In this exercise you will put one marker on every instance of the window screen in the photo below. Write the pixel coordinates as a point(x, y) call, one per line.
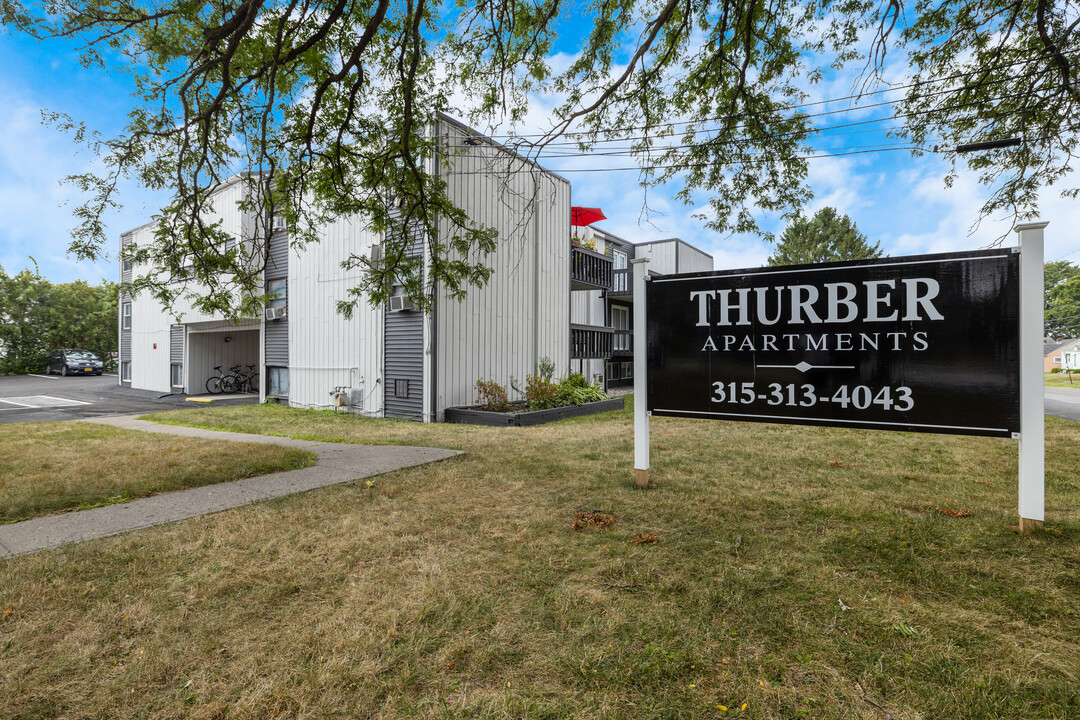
point(277, 381)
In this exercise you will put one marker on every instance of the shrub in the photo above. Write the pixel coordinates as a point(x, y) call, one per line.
point(545, 369)
point(492, 396)
point(575, 391)
point(1056, 370)
point(540, 393)
point(575, 380)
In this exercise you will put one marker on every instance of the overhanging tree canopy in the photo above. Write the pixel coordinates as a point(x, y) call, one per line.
point(326, 104)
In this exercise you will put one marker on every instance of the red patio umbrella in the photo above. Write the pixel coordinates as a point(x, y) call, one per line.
point(586, 216)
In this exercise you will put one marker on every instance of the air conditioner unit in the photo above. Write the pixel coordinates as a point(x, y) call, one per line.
point(401, 302)
point(375, 255)
point(275, 313)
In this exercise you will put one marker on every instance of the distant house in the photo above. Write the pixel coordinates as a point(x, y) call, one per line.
point(1059, 353)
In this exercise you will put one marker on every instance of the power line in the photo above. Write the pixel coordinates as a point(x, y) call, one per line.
point(680, 166)
point(1073, 252)
point(897, 116)
point(631, 153)
point(816, 103)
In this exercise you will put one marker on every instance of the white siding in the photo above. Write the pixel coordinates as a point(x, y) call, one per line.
point(674, 256)
point(661, 256)
point(150, 325)
point(224, 208)
point(151, 322)
point(325, 349)
point(587, 308)
point(522, 314)
point(693, 260)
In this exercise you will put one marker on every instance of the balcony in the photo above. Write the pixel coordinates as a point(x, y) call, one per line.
point(622, 283)
point(622, 343)
point(589, 270)
point(588, 342)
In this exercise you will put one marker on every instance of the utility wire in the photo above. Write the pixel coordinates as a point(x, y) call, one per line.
point(1066, 255)
point(677, 166)
point(897, 116)
point(816, 103)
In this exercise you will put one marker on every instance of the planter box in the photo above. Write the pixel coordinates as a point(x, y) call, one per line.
point(472, 416)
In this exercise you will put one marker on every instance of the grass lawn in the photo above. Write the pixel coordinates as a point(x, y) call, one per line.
point(797, 572)
point(52, 467)
point(1062, 380)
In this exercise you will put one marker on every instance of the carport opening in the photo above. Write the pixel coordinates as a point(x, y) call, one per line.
point(224, 348)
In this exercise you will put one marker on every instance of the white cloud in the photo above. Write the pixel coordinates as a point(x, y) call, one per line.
point(36, 208)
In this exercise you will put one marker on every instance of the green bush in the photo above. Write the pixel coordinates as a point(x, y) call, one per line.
point(576, 380)
point(545, 368)
point(541, 393)
point(572, 391)
point(1056, 370)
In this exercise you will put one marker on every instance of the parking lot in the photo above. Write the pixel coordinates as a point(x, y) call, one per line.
point(37, 398)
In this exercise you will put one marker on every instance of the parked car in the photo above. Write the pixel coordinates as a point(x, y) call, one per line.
point(73, 362)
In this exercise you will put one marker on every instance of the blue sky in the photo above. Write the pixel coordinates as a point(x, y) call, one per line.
point(894, 199)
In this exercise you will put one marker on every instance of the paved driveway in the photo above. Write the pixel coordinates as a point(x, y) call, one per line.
point(1063, 403)
point(37, 398)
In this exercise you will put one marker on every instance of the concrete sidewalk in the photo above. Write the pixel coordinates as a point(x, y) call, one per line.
point(335, 463)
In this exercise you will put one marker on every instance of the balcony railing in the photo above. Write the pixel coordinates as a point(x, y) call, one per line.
point(623, 343)
point(589, 270)
point(590, 342)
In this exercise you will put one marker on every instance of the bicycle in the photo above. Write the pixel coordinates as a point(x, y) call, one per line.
point(214, 382)
point(245, 382)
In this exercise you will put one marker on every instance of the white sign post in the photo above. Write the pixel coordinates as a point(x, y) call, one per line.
point(1031, 503)
point(641, 413)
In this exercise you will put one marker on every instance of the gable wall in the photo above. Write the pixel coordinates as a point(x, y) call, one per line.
point(522, 314)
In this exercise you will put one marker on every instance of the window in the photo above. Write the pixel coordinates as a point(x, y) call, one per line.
point(279, 290)
point(277, 379)
point(627, 370)
point(1057, 360)
point(621, 282)
point(401, 388)
point(125, 371)
point(127, 266)
point(127, 316)
point(620, 320)
point(613, 371)
point(177, 374)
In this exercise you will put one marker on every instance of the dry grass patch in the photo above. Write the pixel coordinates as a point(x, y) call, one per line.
point(459, 590)
point(53, 467)
point(1065, 380)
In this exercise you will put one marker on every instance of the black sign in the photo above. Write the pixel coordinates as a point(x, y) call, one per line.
point(926, 343)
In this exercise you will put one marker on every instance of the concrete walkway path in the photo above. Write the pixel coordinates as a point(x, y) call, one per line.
point(335, 463)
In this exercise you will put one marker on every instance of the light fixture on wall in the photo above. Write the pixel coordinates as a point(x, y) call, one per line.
point(228, 338)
